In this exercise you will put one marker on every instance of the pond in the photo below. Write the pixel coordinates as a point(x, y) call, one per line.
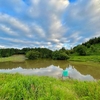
point(55, 66)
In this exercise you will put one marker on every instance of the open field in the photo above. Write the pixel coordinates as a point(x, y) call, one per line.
point(92, 58)
point(20, 87)
point(14, 58)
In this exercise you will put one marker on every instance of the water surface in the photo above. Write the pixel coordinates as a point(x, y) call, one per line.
point(85, 68)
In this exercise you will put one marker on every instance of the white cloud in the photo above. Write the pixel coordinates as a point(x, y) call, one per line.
point(8, 30)
point(48, 23)
point(39, 30)
point(1, 46)
point(83, 17)
point(14, 22)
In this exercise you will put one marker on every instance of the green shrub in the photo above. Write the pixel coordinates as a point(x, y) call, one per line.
point(32, 54)
point(58, 55)
point(81, 50)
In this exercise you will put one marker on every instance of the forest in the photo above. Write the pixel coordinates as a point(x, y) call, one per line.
point(91, 47)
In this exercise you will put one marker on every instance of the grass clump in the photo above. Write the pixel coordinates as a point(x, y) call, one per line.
point(88, 90)
point(20, 87)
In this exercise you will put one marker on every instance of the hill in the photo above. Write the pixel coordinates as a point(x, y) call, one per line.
point(91, 47)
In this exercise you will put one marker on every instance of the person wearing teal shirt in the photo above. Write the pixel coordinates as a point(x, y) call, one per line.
point(65, 74)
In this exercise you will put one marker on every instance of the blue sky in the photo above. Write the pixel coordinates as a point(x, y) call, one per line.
point(71, 1)
point(48, 23)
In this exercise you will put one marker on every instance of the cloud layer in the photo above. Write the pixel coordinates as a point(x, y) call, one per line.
point(52, 24)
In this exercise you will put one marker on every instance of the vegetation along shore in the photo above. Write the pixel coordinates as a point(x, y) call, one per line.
point(88, 51)
point(21, 87)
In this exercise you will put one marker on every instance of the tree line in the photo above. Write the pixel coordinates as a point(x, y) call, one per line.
point(91, 47)
point(35, 53)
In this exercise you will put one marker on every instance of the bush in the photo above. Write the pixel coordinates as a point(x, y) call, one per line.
point(58, 55)
point(81, 50)
point(32, 54)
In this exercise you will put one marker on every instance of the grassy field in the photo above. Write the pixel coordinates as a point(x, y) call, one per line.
point(92, 58)
point(14, 58)
point(20, 87)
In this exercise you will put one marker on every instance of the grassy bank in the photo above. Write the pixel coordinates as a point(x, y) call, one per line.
point(20, 87)
point(21, 58)
point(14, 58)
point(92, 58)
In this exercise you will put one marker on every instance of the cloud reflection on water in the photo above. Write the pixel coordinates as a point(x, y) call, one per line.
point(54, 71)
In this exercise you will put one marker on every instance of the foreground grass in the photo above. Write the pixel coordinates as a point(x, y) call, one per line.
point(93, 58)
point(20, 87)
point(14, 58)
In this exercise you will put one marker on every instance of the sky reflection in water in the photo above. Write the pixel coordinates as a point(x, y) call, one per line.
point(54, 71)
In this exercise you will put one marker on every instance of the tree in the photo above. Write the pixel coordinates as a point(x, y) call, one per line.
point(58, 55)
point(81, 50)
point(32, 55)
point(45, 53)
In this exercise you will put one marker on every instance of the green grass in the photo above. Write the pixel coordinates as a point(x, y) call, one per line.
point(93, 58)
point(20, 87)
point(14, 58)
